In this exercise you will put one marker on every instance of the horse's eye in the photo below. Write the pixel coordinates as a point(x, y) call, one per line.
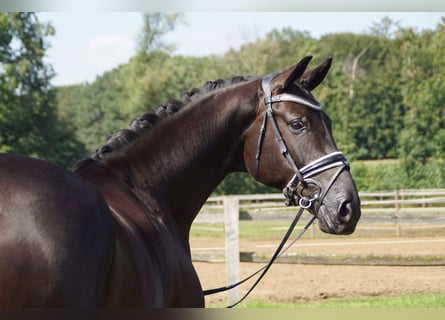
point(297, 126)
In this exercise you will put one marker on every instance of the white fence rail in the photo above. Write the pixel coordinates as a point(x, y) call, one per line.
point(423, 207)
point(401, 205)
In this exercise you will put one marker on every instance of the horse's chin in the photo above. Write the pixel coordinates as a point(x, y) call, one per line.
point(328, 223)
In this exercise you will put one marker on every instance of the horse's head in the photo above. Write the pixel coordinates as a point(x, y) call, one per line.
point(290, 146)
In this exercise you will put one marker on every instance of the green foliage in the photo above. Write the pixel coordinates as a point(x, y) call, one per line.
point(157, 77)
point(241, 183)
point(398, 174)
point(424, 93)
point(155, 26)
point(94, 110)
point(378, 175)
point(28, 121)
point(384, 94)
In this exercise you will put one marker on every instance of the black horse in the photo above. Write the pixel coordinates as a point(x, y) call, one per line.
point(115, 232)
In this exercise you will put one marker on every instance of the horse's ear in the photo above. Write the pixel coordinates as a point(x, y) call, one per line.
point(312, 78)
point(285, 78)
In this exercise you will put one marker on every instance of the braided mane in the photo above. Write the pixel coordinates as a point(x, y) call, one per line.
point(145, 122)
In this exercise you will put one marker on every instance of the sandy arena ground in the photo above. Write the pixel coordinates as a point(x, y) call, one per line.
point(298, 283)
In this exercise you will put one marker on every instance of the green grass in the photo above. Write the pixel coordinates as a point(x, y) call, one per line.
point(276, 230)
point(408, 301)
point(247, 229)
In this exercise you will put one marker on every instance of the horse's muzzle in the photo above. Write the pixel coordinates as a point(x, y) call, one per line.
point(340, 216)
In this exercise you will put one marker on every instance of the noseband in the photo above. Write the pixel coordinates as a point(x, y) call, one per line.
point(301, 176)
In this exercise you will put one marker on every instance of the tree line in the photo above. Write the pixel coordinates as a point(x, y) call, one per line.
point(385, 92)
point(29, 119)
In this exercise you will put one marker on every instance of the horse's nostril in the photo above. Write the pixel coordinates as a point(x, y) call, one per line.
point(345, 211)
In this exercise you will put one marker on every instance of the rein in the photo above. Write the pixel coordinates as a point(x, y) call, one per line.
point(301, 178)
point(278, 253)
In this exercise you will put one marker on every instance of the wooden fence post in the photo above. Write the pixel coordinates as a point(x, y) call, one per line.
point(231, 231)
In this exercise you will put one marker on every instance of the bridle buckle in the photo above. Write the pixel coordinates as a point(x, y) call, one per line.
point(305, 203)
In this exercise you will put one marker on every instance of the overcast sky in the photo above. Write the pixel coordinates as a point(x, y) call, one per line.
point(87, 44)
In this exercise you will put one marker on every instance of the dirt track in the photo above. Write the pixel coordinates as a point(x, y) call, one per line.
point(302, 283)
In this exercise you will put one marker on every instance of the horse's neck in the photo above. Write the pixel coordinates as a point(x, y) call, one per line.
point(186, 157)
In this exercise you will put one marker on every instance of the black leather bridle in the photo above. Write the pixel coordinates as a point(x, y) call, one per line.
point(301, 176)
point(293, 191)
